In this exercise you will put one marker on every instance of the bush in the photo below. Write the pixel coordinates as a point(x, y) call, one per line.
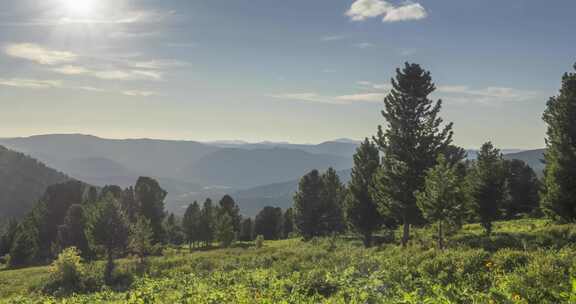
point(259, 241)
point(68, 275)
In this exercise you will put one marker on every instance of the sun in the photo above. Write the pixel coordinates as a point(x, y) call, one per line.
point(79, 8)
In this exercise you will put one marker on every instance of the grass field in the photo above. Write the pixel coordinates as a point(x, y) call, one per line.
point(524, 261)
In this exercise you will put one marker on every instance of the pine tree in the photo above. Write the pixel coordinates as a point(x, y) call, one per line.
point(361, 209)
point(191, 224)
point(141, 238)
point(225, 230)
point(246, 230)
point(410, 144)
point(268, 223)
point(522, 185)
point(72, 233)
point(559, 193)
point(25, 246)
point(333, 194)
point(307, 205)
point(288, 223)
point(7, 238)
point(110, 230)
point(442, 200)
point(150, 197)
point(229, 206)
point(487, 185)
point(207, 222)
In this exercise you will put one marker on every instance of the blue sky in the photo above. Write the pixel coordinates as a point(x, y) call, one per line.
point(299, 70)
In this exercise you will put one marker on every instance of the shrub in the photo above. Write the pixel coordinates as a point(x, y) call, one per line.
point(259, 241)
point(66, 274)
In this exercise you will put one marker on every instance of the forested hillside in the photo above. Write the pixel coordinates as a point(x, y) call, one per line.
point(23, 180)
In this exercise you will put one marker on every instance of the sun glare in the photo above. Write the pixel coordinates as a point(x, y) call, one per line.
point(79, 8)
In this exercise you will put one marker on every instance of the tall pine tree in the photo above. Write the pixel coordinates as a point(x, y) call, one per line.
point(191, 224)
point(413, 138)
point(361, 210)
point(559, 194)
point(150, 197)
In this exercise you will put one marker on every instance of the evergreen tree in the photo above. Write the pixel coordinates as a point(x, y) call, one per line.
point(229, 206)
point(333, 194)
point(25, 246)
point(150, 197)
point(246, 230)
point(442, 199)
point(191, 224)
point(225, 230)
point(72, 232)
point(173, 231)
point(207, 222)
point(268, 223)
point(8, 236)
point(307, 205)
point(361, 209)
point(522, 185)
point(111, 191)
point(487, 185)
point(288, 223)
point(559, 193)
point(110, 230)
point(410, 144)
point(141, 238)
point(129, 204)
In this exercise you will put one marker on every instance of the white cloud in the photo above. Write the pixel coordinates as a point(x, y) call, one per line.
point(364, 97)
point(138, 93)
point(39, 54)
point(374, 86)
point(363, 45)
point(364, 9)
point(119, 17)
point(109, 74)
point(466, 94)
point(333, 38)
point(30, 83)
point(339, 99)
point(158, 64)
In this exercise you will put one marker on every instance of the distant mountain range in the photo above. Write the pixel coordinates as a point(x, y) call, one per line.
point(256, 174)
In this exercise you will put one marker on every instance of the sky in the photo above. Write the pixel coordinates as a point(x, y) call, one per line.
point(264, 70)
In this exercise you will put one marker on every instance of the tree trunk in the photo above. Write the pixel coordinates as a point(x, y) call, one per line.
point(368, 239)
point(406, 233)
point(440, 236)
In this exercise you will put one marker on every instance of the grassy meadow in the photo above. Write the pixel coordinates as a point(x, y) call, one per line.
point(524, 261)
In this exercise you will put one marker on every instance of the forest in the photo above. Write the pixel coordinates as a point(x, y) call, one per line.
point(418, 222)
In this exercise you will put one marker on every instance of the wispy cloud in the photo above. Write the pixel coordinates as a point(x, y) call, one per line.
point(363, 45)
point(109, 74)
point(338, 99)
point(30, 83)
point(39, 54)
point(375, 86)
point(137, 93)
point(333, 37)
point(487, 95)
point(365, 9)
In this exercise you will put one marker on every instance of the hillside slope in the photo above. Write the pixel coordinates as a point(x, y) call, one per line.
point(23, 180)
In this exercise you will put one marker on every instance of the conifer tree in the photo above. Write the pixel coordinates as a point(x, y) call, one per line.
point(559, 193)
point(246, 230)
point(333, 194)
point(522, 186)
point(288, 223)
point(224, 230)
point(72, 233)
point(25, 246)
point(229, 206)
point(487, 185)
point(207, 222)
point(141, 238)
point(413, 138)
point(361, 209)
point(307, 205)
point(110, 230)
point(150, 197)
point(442, 200)
point(191, 224)
point(7, 238)
point(268, 223)
point(173, 231)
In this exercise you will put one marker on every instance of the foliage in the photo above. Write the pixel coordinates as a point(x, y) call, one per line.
point(487, 185)
point(288, 223)
point(361, 209)
point(560, 156)
point(246, 230)
point(268, 223)
point(207, 223)
point(66, 273)
point(410, 144)
point(72, 232)
point(522, 187)
point(150, 197)
point(191, 224)
point(442, 200)
point(229, 206)
point(141, 238)
point(259, 241)
point(173, 231)
point(225, 230)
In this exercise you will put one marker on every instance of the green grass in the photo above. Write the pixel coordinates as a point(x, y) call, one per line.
point(525, 261)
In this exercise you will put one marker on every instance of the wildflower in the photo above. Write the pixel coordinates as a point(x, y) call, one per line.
point(489, 264)
point(516, 297)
